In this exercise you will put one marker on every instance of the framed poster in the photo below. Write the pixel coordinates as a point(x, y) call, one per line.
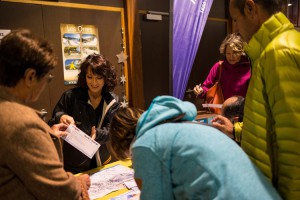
point(3, 32)
point(78, 41)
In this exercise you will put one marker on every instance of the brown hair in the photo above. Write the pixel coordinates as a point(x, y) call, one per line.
point(20, 50)
point(99, 66)
point(122, 131)
point(235, 42)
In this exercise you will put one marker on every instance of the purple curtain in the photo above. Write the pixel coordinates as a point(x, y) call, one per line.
point(189, 18)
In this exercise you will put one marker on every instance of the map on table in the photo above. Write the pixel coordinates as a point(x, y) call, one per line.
point(108, 180)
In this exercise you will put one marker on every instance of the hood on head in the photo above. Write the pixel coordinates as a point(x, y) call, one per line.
point(164, 108)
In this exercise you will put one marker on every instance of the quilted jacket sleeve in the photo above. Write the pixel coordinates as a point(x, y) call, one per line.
point(281, 78)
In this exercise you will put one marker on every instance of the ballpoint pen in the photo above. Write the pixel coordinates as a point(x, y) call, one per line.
point(191, 90)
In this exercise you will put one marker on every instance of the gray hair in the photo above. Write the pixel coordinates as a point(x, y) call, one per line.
point(235, 42)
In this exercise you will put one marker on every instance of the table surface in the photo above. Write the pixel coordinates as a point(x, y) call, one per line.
point(126, 163)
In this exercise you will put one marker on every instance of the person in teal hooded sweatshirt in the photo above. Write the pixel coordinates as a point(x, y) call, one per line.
point(176, 158)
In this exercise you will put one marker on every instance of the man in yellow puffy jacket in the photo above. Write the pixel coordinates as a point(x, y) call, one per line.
point(271, 129)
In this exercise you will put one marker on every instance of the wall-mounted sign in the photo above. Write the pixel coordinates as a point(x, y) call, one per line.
point(3, 32)
point(78, 41)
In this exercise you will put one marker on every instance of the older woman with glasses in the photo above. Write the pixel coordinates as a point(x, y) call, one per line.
point(30, 152)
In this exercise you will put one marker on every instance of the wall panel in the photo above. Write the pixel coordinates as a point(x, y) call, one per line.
point(14, 16)
point(45, 20)
point(109, 31)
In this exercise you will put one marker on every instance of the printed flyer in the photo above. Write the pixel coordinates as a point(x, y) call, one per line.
point(3, 32)
point(78, 41)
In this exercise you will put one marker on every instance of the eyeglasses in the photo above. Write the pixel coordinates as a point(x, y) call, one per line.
point(50, 77)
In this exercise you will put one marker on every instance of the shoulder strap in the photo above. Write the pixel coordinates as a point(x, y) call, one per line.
point(220, 70)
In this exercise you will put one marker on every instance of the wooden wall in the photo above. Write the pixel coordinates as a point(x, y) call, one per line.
point(155, 50)
point(45, 21)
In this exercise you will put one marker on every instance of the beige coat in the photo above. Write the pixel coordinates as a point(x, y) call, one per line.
point(30, 167)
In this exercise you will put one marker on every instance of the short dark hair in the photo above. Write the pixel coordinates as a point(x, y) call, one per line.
point(271, 6)
point(20, 50)
point(99, 66)
point(235, 109)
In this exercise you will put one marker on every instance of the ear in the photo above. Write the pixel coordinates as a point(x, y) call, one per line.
point(30, 77)
point(250, 8)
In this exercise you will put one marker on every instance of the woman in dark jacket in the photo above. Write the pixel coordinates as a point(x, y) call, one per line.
point(90, 106)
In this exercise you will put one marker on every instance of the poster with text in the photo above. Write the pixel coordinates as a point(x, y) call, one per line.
point(3, 32)
point(78, 41)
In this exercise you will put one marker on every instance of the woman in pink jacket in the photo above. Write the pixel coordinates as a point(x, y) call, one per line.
point(235, 71)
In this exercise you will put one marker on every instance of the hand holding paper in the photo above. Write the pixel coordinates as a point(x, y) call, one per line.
point(81, 141)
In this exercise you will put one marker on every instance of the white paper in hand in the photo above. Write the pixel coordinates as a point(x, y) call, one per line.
point(81, 141)
point(207, 105)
